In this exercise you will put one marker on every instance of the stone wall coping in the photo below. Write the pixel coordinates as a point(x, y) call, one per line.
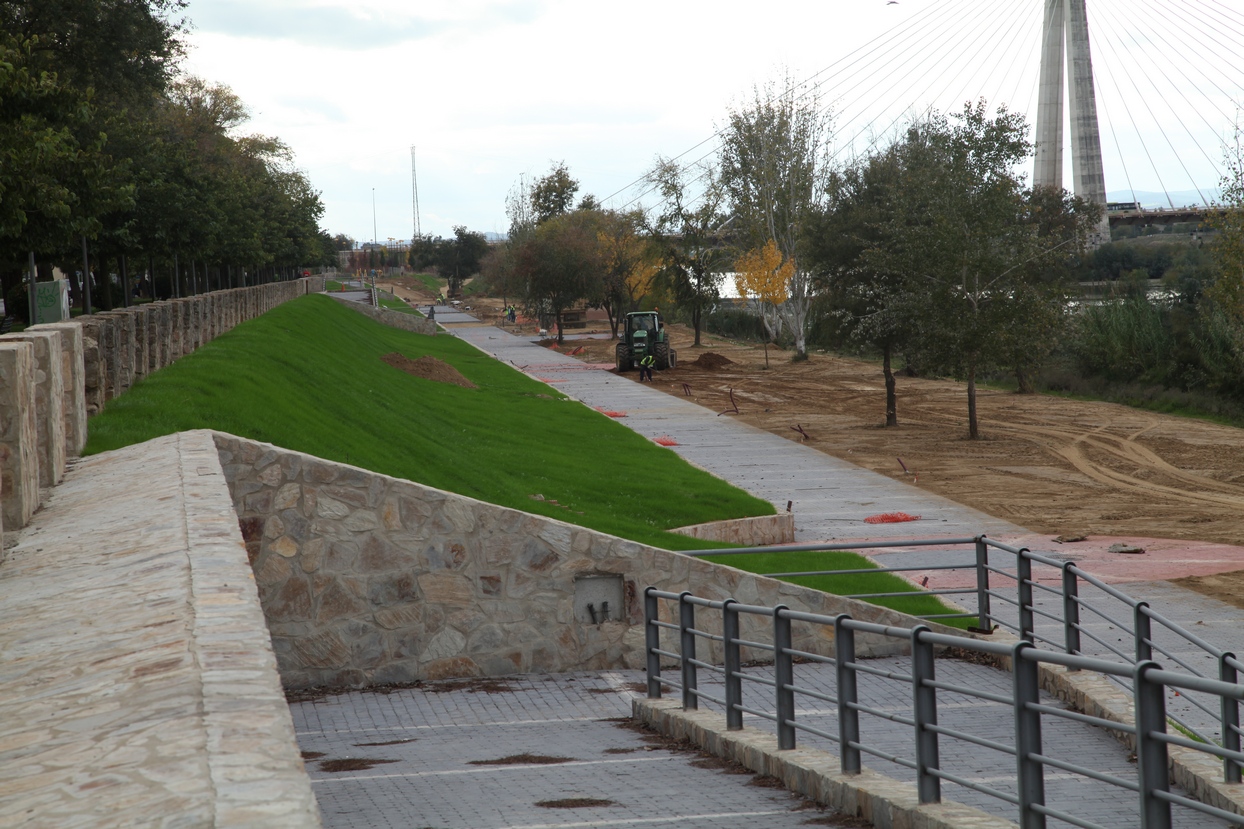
point(754, 531)
point(881, 800)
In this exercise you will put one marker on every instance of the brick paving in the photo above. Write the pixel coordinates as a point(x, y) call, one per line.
point(434, 784)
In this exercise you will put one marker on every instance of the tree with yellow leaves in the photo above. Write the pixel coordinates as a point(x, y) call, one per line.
point(1227, 218)
point(763, 277)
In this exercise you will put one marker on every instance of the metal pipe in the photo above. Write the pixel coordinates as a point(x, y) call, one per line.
point(1151, 753)
point(1230, 719)
point(982, 585)
point(784, 678)
point(652, 643)
point(686, 623)
point(1071, 609)
point(1030, 774)
point(924, 709)
point(733, 664)
point(848, 696)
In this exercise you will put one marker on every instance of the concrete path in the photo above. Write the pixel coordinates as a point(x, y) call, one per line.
point(831, 498)
point(429, 740)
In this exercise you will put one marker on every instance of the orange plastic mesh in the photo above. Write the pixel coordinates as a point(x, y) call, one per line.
point(666, 440)
point(610, 412)
point(891, 518)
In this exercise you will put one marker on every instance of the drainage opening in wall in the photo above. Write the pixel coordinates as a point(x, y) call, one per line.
point(598, 598)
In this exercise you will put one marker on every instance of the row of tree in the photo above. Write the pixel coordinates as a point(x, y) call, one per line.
point(112, 156)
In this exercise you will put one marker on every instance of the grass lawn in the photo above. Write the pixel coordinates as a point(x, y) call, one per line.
point(392, 303)
point(308, 376)
point(918, 604)
point(432, 283)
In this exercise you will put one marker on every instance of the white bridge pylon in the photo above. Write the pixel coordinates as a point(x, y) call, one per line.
point(1065, 33)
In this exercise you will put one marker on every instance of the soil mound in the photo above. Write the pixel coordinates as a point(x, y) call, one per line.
point(712, 360)
point(429, 368)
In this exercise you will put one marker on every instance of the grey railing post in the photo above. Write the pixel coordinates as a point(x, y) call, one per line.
point(848, 717)
point(1026, 681)
point(686, 623)
point(652, 643)
point(1230, 719)
point(1151, 754)
point(924, 706)
point(984, 622)
point(1023, 588)
point(1143, 632)
point(1071, 609)
point(783, 677)
point(734, 682)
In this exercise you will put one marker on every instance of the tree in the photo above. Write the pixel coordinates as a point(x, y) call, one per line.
point(626, 264)
point(553, 195)
point(1227, 290)
point(963, 232)
point(763, 277)
point(454, 259)
point(774, 161)
point(559, 265)
point(686, 231)
point(868, 296)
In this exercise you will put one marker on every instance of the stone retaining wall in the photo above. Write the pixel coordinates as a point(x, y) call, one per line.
point(76, 367)
point(367, 579)
point(393, 319)
point(758, 531)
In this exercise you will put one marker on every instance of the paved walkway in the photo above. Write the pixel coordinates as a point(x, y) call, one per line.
point(831, 498)
point(428, 741)
point(433, 746)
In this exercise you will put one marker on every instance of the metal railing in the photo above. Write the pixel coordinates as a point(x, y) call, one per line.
point(1059, 627)
point(1149, 682)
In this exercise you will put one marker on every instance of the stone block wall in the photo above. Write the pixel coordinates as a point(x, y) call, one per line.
point(79, 365)
point(368, 579)
point(758, 531)
point(393, 319)
point(19, 444)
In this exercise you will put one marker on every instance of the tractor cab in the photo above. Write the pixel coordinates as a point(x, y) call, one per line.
point(643, 333)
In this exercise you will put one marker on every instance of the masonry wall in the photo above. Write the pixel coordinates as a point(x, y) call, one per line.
point(75, 367)
point(367, 579)
point(393, 319)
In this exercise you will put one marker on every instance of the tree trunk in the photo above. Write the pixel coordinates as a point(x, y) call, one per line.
point(891, 400)
point(1023, 381)
point(695, 323)
point(973, 427)
point(557, 318)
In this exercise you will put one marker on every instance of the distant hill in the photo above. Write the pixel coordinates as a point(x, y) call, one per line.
point(1157, 199)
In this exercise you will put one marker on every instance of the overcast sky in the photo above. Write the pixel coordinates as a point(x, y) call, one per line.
point(488, 90)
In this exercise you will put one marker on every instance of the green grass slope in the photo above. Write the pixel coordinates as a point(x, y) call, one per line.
point(308, 376)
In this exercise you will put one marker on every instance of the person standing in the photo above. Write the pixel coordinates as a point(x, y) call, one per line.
point(645, 367)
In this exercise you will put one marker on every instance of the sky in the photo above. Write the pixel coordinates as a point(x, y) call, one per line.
point(488, 91)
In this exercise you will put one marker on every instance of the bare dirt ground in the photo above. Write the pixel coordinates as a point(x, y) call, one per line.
point(1055, 466)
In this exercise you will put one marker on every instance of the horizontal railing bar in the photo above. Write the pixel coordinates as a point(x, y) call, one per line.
point(1000, 597)
point(1001, 572)
point(1176, 628)
point(1039, 612)
point(948, 615)
point(1197, 683)
point(702, 602)
point(759, 680)
point(1004, 624)
point(804, 616)
point(670, 654)
point(1086, 663)
point(754, 609)
point(818, 732)
point(1174, 658)
point(1045, 587)
point(1076, 716)
point(966, 642)
point(755, 713)
point(814, 657)
point(1105, 588)
point(708, 666)
point(1196, 805)
point(971, 738)
point(1107, 645)
point(914, 592)
point(893, 758)
point(877, 712)
point(980, 787)
point(704, 634)
point(1130, 785)
point(1208, 748)
point(970, 692)
point(1102, 614)
point(816, 548)
point(1202, 707)
point(865, 669)
point(1036, 637)
point(807, 692)
point(862, 570)
point(1069, 818)
point(1235, 663)
point(872, 627)
point(662, 594)
point(1001, 545)
point(702, 695)
point(673, 683)
point(1046, 560)
point(657, 623)
point(760, 646)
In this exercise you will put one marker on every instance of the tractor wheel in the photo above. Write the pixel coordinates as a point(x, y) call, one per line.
point(661, 351)
point(622, 357)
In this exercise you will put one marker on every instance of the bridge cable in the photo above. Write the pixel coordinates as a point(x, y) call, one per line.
point(888, 35)
point(1182, 121)
point(1197, 84)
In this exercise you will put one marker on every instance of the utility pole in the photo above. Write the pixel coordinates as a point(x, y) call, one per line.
point(414, 193)
point(373, 218)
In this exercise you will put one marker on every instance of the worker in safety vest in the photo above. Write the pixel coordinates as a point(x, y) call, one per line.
point(645, 367)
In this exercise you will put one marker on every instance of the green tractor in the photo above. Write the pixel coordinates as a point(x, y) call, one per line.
point(643, 334)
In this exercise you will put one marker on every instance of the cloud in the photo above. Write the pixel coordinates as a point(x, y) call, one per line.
point(354, 27)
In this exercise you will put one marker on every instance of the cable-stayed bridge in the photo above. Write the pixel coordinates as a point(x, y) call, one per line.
point(1140, 97)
